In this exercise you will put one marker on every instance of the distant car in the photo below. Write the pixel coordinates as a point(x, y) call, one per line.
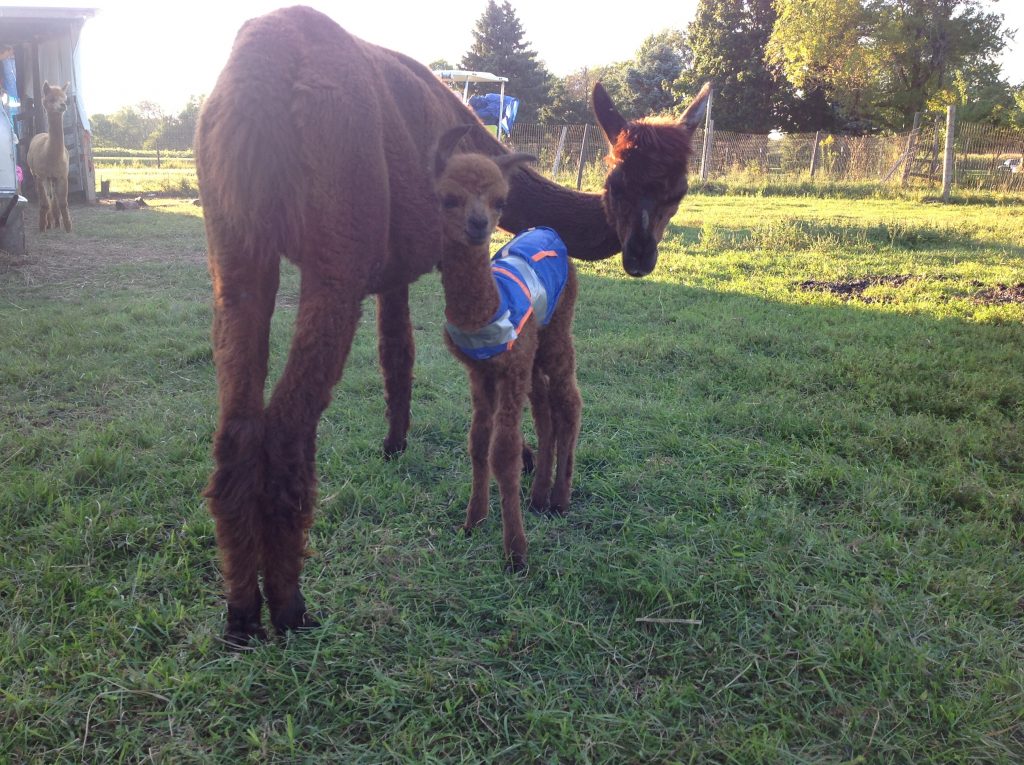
point(1012, 165)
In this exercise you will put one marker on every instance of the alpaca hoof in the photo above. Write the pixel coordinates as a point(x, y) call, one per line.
point(239, 640)
point(393, 449)
point(243, 625)
point(467, 531)
point(310, 622)
point(294, 617)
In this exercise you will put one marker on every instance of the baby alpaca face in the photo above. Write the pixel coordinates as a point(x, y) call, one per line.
point(472, 192)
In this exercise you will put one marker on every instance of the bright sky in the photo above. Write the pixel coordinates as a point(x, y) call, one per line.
point(135, 50)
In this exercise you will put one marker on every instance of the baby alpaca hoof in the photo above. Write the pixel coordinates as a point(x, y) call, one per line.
point(517, 566)
point(466, 531)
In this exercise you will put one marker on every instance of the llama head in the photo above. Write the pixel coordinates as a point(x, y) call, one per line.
point(647, 177)
point(471, 189)
point(55, 100)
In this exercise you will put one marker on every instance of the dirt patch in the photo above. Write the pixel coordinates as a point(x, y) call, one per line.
point(1001, 293)
point(853, 289)
point(66, 264)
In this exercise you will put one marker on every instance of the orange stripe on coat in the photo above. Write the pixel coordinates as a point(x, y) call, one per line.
point(526, 317)
point(544, 254)
point(515, 278)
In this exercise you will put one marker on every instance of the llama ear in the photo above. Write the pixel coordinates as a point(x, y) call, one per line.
point(608, 117)
point(694, 114)
point(446, 147)
point(509, 162)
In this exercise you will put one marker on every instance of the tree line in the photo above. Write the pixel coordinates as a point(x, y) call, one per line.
point(844, 66)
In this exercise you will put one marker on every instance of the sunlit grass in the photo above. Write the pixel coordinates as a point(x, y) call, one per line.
point(795, 534)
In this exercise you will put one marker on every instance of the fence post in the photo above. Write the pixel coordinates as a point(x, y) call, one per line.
point(709, 128)
point(158, 156)
point(814, 153)
point(947, 165)
point(583, 149)
point(558, 152)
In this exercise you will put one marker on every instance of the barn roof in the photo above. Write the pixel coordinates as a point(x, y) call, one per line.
point(20, 22)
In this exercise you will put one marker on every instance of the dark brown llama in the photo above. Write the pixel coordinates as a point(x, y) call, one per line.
point(331, 168)
point(509, 351)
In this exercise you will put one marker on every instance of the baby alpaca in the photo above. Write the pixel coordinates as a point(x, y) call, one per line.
point(510, 324)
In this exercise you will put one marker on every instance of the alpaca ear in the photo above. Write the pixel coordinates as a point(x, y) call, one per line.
point(694, 114)
point(67, 88)
point(446, 147)
point(509, 162)
point(46, 87)
point(612, 123)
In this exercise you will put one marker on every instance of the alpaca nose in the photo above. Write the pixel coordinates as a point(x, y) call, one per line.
point(476, 229)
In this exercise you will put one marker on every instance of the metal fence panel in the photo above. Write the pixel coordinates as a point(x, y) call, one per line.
point(986, 157)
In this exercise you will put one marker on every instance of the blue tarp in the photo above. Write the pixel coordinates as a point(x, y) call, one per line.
point(10, 85)
point(486, 108)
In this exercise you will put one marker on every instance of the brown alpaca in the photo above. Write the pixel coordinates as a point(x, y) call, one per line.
point(48, 160)
point(540, 362)
point(338, 179)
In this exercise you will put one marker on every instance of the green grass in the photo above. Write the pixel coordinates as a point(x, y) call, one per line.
point(148, 178)
point(795, 534)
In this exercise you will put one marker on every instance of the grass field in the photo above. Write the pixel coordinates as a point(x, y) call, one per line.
point(795, 538)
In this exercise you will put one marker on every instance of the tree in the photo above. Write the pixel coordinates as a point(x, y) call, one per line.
point(652, 76)
point(883, 60)
point(499, 48)
point(129, 127)
point(728, 38)
point(570, 96)
point(177, 132)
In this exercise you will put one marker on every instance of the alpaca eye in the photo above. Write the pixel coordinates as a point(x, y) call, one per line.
point(451, 201)
point(499, 204)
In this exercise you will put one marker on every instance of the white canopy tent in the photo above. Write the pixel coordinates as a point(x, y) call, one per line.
point(466, 77)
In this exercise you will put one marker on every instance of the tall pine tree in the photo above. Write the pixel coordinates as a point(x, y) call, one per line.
point(498, 47)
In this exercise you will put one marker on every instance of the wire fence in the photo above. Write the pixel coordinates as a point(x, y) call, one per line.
point(984, 157)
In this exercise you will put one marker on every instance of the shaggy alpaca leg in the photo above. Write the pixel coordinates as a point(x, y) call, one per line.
point(234, 494)
point(243, 305)
point(44, 215)
point(506, 463)
point(397, 354)
point(483, 394)
point(61, 196)
point(324, 329)
point(567, 408)
point(540, 406)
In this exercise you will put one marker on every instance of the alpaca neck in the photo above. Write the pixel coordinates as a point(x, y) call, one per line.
point(579, 218)
point(470, 294)
point(55, 129)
